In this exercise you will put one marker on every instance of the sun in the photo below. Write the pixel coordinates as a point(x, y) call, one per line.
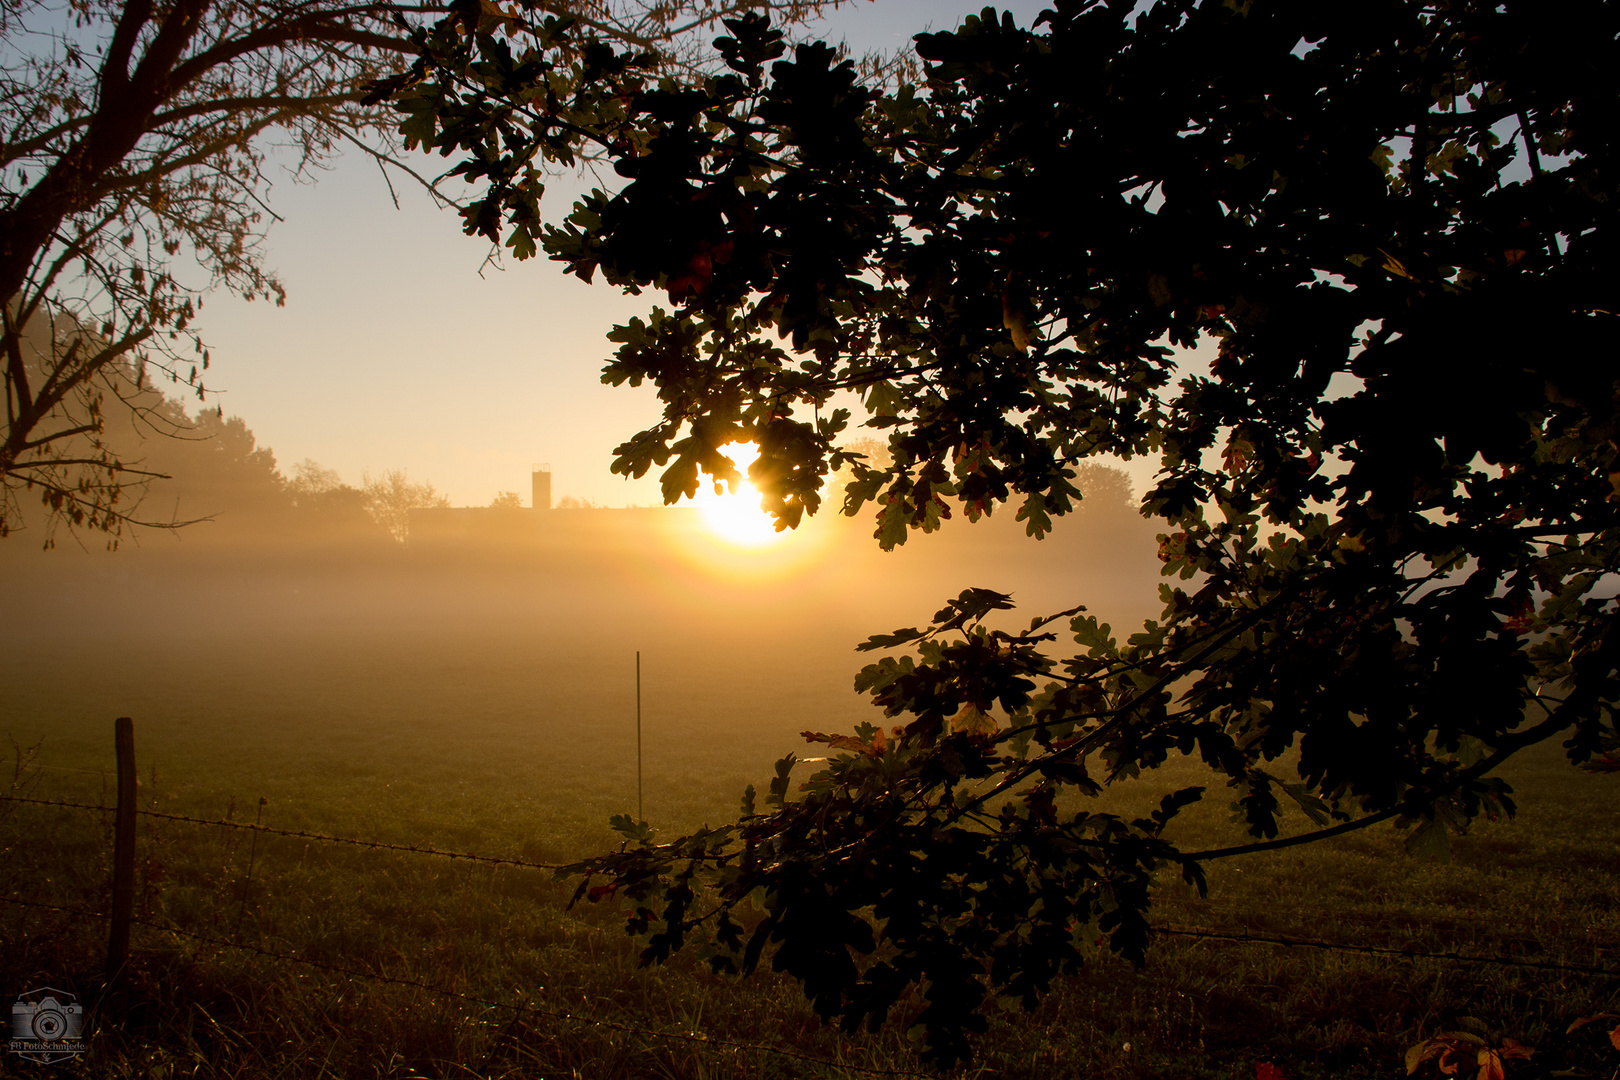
point(734, 516)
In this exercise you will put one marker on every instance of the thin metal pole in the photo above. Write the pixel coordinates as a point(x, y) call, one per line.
point(640, 814)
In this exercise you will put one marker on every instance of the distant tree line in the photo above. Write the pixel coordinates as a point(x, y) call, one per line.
point(208, 471)
point(216, 470)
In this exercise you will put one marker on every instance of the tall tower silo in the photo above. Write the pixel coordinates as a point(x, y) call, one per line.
point(542, 486)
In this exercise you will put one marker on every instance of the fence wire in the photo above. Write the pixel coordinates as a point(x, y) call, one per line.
point(1236, 936)
point(249, 826)
point(1245, 936)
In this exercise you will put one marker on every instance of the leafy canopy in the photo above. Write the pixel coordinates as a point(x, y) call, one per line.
point(1390, 503)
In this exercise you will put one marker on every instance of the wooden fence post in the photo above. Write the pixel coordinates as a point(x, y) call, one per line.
point(123, 899)
point(641, 814)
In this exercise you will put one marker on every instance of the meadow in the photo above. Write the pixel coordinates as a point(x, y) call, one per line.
point(484, 701)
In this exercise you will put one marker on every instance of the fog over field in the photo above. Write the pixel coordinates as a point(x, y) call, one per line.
point(259, 640)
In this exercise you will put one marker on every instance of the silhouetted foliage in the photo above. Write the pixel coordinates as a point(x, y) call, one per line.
point(1390, 504)
point(322, 502)
point(219, 469)
point(506, 500)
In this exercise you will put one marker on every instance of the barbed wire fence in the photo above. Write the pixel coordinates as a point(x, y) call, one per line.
point(121, 918)
point(299, 834)
point(1239, 936)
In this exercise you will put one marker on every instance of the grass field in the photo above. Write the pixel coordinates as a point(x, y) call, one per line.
point(491, 709)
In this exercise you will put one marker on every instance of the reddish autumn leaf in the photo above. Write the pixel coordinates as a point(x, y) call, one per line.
point(1523, 618)
point(1237, 454)
point(1614, 1034)
point(1265, 1070)
point(1461, 1051)
point(874, 748)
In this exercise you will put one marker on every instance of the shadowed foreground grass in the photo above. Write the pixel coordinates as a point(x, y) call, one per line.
point(1540, 887)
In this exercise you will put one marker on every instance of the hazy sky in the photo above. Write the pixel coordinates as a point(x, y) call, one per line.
point(393, 351)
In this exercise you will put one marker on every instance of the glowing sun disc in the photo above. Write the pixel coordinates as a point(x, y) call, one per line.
point(735, 516)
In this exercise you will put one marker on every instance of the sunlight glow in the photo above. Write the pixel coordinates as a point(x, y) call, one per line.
point(734, 516)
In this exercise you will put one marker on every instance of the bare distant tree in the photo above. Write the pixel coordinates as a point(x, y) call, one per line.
point(310, 480)
point(391, 499)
